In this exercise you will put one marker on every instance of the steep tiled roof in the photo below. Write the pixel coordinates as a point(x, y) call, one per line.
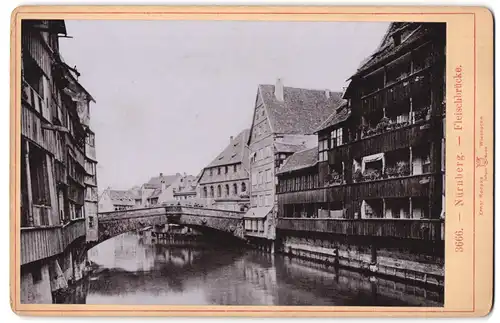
point(121, 197)
point(288, 148)
point(235, 152)
point(155, 182)
point(299, 160)
point(386, 49)
point(301, 111)
point(340, 115)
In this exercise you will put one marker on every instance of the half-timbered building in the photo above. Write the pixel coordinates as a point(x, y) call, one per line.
point(379, 167)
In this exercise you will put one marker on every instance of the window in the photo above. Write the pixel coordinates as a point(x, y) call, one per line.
point(219, 191)
point(268, 176)
point(90, 139)
point(243, 187)
point(211, 191)
point(254, 200)
point(226, 169)
point(227, 189)
point(211, 171)
point(268, 200)
point(235, 189)
point(261, 176)
point(254, 179)
point(39, 177)
point(235, 168)
point(205, 192)
point(218, 171)
point(426, 166)
point(336, 138)
point(261, 200)
point(91, 222)
point(323, 149)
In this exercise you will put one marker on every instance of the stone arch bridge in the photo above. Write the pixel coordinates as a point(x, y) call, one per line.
point(112, 224)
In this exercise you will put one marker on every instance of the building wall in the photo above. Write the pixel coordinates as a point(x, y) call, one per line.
point(35, 285)
point(105, 204)
point(212, 179)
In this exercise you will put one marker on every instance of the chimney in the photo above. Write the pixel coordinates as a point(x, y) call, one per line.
point(161, 174)
point(231, 139)
point(327, 93)
point(278, 90)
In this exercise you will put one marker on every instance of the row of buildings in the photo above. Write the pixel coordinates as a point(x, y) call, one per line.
point(159, 190)
point(58, 183)
point(318, 167)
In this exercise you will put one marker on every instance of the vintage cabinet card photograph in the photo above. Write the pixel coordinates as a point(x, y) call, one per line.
point(251, 161)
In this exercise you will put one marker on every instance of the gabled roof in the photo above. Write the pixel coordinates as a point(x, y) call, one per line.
point(338, 116)
point(235, 152)
point(155, 182)
point(410, 32)
point(301, 111)
point(300, 160)
point(121, 197)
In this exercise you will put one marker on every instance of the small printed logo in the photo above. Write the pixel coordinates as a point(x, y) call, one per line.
point(481, 162)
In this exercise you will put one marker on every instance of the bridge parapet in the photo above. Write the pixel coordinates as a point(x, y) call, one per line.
point(111, 224)
point(206, 212)
point(131, 213)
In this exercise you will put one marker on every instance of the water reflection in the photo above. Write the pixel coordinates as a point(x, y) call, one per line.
point(132, 272)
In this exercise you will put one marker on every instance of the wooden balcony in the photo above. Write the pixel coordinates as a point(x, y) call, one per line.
point(421, 229)
point(90, 152)
point(39, 243)
point(72, 231)
point(90, 180)
point(35, 101)
point(412, 135)
point(31, 128)
point(42, 242)
point(414, 185)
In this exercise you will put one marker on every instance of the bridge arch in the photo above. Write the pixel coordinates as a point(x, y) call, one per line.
point(112, 224)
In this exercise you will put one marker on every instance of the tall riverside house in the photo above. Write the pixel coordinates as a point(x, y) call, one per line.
point(284, 122)
point(379, 162)
point(224, 182)
point(55, 163)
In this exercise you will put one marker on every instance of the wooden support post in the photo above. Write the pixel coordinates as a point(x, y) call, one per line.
point(373, 253)
point(29, 184)
point(411, 161)
point(411, 208)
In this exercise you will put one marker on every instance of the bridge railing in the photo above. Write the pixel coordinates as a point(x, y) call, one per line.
point(168, 211)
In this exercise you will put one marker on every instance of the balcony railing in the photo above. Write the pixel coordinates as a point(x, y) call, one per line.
point(395, 138)
point(418, 229)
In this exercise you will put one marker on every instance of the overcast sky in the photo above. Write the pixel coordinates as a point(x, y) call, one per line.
point(169, 94)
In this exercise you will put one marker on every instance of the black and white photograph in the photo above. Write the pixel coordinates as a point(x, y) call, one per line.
point(220, 162)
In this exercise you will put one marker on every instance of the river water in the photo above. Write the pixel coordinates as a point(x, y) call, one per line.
point(130, 271)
